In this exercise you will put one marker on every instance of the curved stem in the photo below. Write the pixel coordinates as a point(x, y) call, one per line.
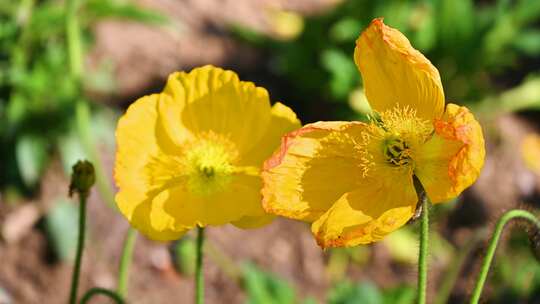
point(423, 252)
point(125, 262)
point(97, 290)
point(199, 277)
point(80, 247)
point(482, 276)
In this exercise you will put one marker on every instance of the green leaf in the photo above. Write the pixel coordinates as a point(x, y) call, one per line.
point(246, 34)
point(528, 42)
point(61, 225)
point(523, 97)
point(346, 29)
point(349, 293)
point(71, 150)
point(526, 11)
point(185, 255)
point(116, 9)
point(343, 72)
point(400, 295)
point(265, 288)
point(425, 36)
point(32, 155)
point(456, 22)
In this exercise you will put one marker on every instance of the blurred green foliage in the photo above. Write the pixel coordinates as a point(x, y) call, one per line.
point(479, 48)
point(267, 288)
point(37, 97)
point(61, 227)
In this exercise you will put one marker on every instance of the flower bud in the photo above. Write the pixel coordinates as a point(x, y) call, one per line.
point(82, 178)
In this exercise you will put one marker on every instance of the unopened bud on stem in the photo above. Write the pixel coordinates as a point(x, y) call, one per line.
point(82, 178)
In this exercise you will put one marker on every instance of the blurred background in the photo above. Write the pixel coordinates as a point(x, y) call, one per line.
point(68, 72)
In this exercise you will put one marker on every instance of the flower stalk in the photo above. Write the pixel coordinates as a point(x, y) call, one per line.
point(199, 276)
point(490, 253)
point(82, 180)
point(424, 244)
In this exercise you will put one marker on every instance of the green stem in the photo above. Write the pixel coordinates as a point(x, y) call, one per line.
point(80, 247)
point(97, 290)
point(423, 253)
point(482, 276)
point(125, 262)
point(199, 276)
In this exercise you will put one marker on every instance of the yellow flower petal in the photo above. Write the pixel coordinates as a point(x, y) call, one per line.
point(379, 206)
point(452, 159)
point(212, 99)
point(313, 168)
point(141, 221)
point(283, 120)
point(394, 73)
point(139, 140)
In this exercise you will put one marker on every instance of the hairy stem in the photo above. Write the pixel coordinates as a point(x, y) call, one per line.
point(97, 290)
point(505, 218)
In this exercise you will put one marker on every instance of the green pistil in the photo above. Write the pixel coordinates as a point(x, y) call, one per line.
point(396, 151)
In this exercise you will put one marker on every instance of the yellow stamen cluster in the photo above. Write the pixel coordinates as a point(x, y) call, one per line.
point(208, 163)
point(392, 138)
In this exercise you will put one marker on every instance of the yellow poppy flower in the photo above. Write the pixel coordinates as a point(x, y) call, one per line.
point(191, 155)
point(354, 180)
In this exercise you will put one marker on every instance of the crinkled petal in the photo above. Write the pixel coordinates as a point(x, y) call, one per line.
point(283, 121)
point(211, 99)
point(379, 206)
point(314, 166)
point(394, 73)
point(140, 139)
point(452, 159)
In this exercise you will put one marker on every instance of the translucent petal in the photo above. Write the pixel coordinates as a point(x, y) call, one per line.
point(380, 205)
point(394, 73)
point(313, 168)
point(211, 99)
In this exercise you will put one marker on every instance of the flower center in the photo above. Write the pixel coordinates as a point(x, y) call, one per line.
point(396, 151)
point(208, 164)
point(392, 138)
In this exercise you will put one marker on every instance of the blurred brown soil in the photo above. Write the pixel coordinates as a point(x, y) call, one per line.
point(143, 56)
